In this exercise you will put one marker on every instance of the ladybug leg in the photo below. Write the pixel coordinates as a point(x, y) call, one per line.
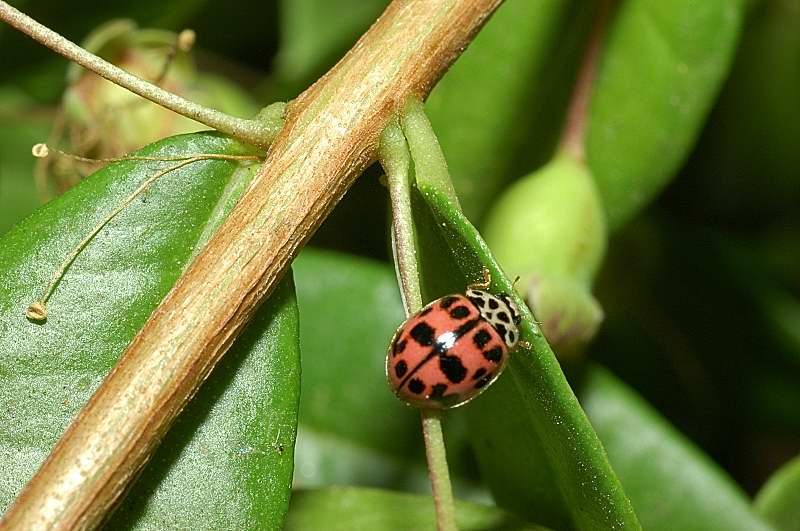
point(525, 345)
point(484, 285)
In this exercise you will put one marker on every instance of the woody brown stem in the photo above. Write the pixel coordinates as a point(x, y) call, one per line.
point(331, 135)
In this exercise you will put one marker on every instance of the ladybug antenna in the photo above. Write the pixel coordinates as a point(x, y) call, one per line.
point(514, 284)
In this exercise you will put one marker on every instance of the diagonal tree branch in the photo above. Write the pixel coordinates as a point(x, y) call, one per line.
point(331, 134)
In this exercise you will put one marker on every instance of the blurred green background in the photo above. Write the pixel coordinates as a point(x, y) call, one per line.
point(701, 289)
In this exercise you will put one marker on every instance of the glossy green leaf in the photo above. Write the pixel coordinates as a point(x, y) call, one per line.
point(229, 460)
point(778, 501)
point(504, 95)
point(346, 509)
point(537, 450)
point(660, 71)
point(671, 483)
point(352, 429)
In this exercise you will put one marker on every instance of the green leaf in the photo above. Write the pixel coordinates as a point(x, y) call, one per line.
point(516, 62)
point(348, 508)
point(778, 501)
point(350, 307)
point(537, 450)
point(673, 55)
point(229, 460)
point(671, 483)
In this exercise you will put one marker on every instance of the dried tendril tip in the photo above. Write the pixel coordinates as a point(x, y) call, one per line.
point(40, 150)
point(37, 311)
point(186, 40)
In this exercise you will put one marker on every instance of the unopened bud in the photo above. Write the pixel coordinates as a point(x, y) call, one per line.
point(549, 228)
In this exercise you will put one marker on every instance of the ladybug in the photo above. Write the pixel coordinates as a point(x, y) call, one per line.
point(452, 349)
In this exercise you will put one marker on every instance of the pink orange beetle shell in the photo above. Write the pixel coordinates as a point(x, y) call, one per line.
point(453, 349)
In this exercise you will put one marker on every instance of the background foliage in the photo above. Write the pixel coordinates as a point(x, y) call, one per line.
point(692, 381)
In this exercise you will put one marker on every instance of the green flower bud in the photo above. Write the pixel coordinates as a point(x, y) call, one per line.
point(549, 228)
point(103, 120)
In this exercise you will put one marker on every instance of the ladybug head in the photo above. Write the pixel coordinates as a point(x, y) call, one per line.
point(499, 311)
point(516, 318)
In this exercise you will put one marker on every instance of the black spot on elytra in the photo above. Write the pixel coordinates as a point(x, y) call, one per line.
point(494, 354)
point(401, 368)
point(459, 312)
point(399, 346)
point(447, 302)
point(501, 329)
point(452, 368)
point(484, 381)
point(426, 311)
point(481, 337)
point(422, 334)
point(493, 304)
point(416, 386)
point(480, 372)
point(438, 390)
point(477, 301)
point(503, 316)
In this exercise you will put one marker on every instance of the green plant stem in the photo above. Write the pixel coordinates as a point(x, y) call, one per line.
point(573, 137)
point(430, 165)
point(396, 161)
point(257, 132)
point(438, 471)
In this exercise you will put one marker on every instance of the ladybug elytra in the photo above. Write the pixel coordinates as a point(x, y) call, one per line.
point(452, 349)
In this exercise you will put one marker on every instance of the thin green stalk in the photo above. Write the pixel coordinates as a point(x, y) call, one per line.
point(437, 470)
point(396, 160)
point(572, 139)
point(258, 132)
